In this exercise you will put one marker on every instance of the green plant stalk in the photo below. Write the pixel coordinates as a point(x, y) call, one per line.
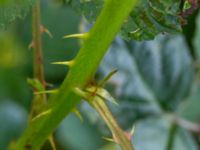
point(37, 44)
point(118, 135)
point(85, 65)
point(39, 101)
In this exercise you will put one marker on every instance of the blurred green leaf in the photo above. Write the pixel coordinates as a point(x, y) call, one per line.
point(12, 70)
point(151, 17)
point(152, 134)
point(76, 135)
point(197, 37)
point(12, 54)
point(13, 121)
point(13, 86)
point(13, 9)
point(152, 76)
point(90, 9)
point(189, 110)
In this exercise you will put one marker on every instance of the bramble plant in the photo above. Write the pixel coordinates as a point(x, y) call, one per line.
point(164, 84)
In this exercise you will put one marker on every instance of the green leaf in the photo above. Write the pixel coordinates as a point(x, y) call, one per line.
point(151, 17)
point(12, 75)
point(197, 37)
point(189, 110)
point(152, 134)
point(89, 8)
point(169, 6)
point(152, 76)
point(13, 121)
point(85, 133)
point(13, 9)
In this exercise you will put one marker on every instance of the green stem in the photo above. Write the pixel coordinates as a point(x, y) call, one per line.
point(85, 64)
point(39, 101)
point(38, 71)
point(171, 136)
point(118, 135)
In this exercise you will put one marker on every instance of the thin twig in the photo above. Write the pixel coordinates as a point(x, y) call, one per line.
point(119, 135)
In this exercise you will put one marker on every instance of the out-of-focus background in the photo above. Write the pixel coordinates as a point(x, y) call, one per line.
point(157, 81)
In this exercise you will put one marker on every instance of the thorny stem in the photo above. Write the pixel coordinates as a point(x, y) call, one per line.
point(37, 44)
point(87, 60)
point(38, 71)
point(118, 135)
point(39, 101)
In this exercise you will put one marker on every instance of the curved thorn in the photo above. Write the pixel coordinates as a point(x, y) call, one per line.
point(78, 35)
point(78, 114)
point(108, 139)
point(42, 114)
point(66, 63)
point(103, 82)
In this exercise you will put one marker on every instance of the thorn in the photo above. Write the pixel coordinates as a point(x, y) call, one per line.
point(42, 114)
point(102, 93)
point(66, 63)
point(48, 84)
point(48, 33)
point(132, 130)
point(78, 35)
point(31, 45)
point(103, 82)
point(135, 31)
point(77, 113)
point(35, 84)
point(129, 135)
point(108, 139)
point(47, 92)
point(45, 30)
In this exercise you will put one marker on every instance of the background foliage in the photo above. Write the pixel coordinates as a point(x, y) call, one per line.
point(155, 78)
